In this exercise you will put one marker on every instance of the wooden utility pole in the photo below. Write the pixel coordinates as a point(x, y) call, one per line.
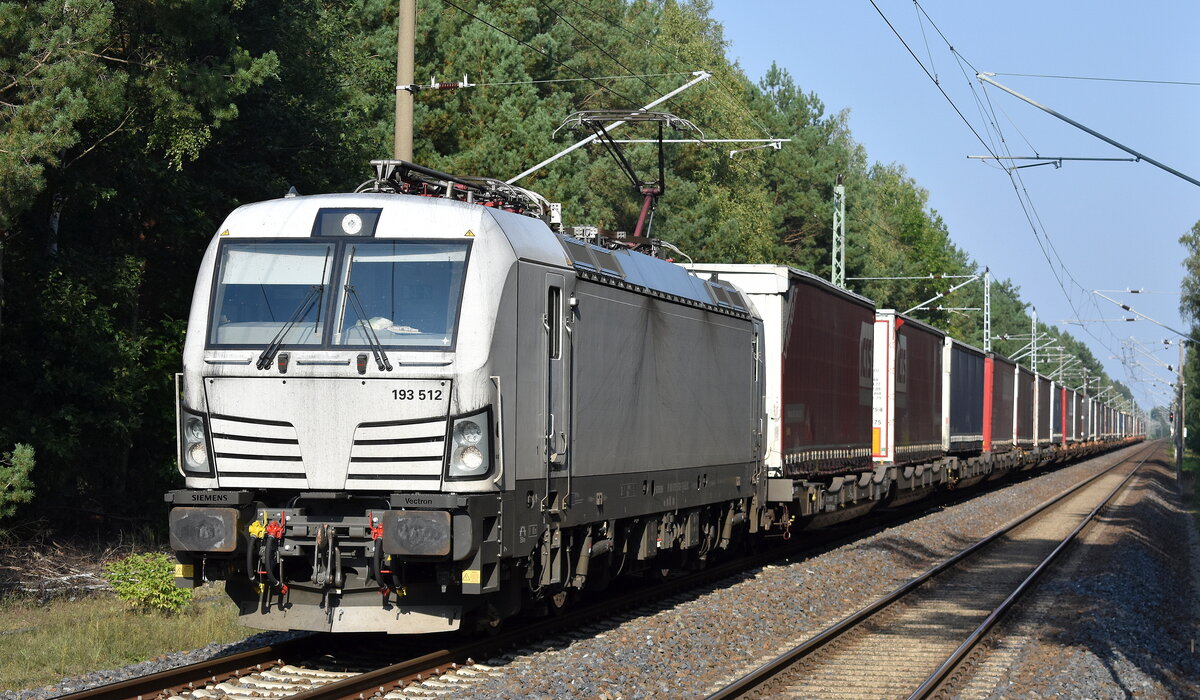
point(406, 50)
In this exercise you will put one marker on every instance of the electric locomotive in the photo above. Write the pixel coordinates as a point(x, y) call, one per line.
point(418, 404)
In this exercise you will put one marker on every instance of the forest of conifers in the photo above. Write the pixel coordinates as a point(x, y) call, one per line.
point(131, 127)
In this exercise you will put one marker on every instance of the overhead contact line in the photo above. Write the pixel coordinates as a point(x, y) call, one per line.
point(933, 79)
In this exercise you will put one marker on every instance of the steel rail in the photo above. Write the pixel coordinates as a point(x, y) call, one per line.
point(936, 678)
point(183, 678)
point(771, 668)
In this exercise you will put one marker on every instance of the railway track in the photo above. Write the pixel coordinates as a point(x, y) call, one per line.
point(910, 642)
point(373, 665)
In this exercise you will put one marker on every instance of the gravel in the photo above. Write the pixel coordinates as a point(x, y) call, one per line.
point(1119, 618)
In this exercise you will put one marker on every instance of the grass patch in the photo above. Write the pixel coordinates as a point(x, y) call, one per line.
point(41, 644)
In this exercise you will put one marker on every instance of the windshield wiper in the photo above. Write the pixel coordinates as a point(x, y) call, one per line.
point(381, 357)
point(268, 354)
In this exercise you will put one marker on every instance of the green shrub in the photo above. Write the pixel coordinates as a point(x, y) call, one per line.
point(147, 582)
point(15, 484)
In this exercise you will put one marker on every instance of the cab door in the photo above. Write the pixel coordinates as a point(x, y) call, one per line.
point(556, 377)
point(545, 359)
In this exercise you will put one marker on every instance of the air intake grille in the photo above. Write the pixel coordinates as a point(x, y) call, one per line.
point(397, 455)
point(253, 452)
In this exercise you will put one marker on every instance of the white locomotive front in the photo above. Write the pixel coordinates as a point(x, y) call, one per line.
point(399, 411)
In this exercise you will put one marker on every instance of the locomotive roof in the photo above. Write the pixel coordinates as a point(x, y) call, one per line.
point(400, 215)
point(648, 274)
point(530, 238)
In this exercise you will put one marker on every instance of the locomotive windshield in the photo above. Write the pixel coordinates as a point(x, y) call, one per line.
point(261, 287)
point(407, 291)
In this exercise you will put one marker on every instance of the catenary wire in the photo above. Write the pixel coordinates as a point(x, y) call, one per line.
point(939, 87)
point(917, 9)
point(1017, 181)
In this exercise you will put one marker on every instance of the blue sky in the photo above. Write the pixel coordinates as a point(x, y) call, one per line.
point(1116, 225)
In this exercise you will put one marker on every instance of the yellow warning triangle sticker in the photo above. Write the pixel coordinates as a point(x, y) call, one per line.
point(469, 234)
point(225, 232)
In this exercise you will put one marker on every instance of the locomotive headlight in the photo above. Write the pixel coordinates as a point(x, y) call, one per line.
point(197, 455)
point(194, 428)
point(471, 458)
point(467, 432)
point(193, 445)
point(471, 446)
